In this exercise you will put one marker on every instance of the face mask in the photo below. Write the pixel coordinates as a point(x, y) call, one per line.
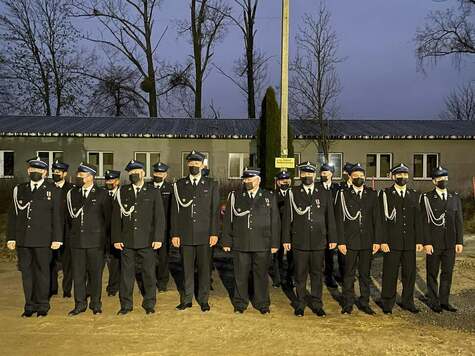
point(35, 176)
point(442, 184)
point(109, 186)
point(205, 172)
point(57, 178)
point(284, 186)
point(358, 182)
point(249, 186)
point(194, 170)
point(157, 179)
point(323, 179)
point(79, 181)
point(401, 181)
point(307, 180)
point(345, 177)
point(134, 178)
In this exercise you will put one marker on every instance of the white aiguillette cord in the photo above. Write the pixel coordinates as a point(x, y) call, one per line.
point(123, 211)
point(440, 221)
point(178, 200)
point(71, 210)
point(17, 205)
point(346, 213)
point(232, 199)
point(386, 212)
point(296, 208)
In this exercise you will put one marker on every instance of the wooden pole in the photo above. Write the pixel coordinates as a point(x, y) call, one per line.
point(284, 81)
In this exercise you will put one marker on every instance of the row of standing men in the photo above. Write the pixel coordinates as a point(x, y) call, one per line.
point(302, 227)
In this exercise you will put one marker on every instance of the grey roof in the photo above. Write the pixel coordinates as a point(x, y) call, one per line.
point(228, 128)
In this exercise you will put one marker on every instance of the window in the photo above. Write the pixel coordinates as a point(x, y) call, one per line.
point(184, 166)
point(236, 164)
point(7, 164)
point(334, 158)
point(102, 160)
point(378, 165)
point(49, 157)
point(424, 163)
point(149, 159)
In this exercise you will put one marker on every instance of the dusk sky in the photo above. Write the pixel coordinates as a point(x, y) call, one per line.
point(379, 77)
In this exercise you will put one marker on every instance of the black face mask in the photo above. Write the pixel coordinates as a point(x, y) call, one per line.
point(345, 177)
point(194, 170)
point(307, 180)
point(57, 178)
point(358, 182)
point(249, 186)
point(205, 172)
point(109, 186)
point(134, 178)
point(401, 181)
point(35, 176)
point(157, 179)
point(79, 181)
point(442, 184)
point(284, 186)
point(323, 179)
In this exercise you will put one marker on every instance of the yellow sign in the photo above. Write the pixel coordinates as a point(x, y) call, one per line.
point(284, 162)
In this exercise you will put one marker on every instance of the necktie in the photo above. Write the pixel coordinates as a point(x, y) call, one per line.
point(111, 193)
point(35, 188)
point(84, 195)
point(252, 195)
point(359, 194)
point(194, 182)
point(137, 190)
point(309, 191)
point(401, 193)
point(443, 196)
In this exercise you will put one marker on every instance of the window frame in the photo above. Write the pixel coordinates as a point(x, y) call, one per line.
point(50, 160)
point(148, 163)
point(2, 164)
point(378, 165)
point(241, 163)
point(335, 177)
point(424, 164)
point(100, 167)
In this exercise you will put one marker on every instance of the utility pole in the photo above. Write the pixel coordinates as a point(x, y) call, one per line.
point(284, 80)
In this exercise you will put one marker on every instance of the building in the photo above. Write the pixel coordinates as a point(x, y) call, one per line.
point(110, 142)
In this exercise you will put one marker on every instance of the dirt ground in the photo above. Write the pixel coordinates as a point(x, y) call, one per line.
point(191, 332)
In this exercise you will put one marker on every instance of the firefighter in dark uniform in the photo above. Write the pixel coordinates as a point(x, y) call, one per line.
point(89, 213)
point(194, 229)
point(160, 173)
point(63, 256)
point(138, 229)
point(443, 238)
point(345, 176)
point(401, 238)
point(35, 227)
point(359, 230)
point(112, 183)
point(281, 270)
point(308, 228)
point(252, 231)
point(327, 185)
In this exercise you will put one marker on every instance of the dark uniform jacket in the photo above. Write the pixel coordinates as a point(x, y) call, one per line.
point(403, 232)
point(359, 234)
point(333, 191)
point(257, 231)
point(443, 237)
point(41, 223)
point(314, 229)
point(146, 224)
point(166, 190)
point(281, 199)
point(90, 230)
point(198, 221)
point(64, 191)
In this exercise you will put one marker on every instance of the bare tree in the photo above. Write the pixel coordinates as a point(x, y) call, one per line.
point(314, 84)
point(447, 33)
point(206, 26)
point(41, 56)
point(460, 104)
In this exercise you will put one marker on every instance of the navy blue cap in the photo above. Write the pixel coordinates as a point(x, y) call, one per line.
point(250, 172)
point(160, 167)
point(401, 168)
point(347, 167)
point(283, 175)
point(134, 165)
point(439, 172)
point(357, 167)
point(307, 167)
point(87, 168)
point(37, 163)
point(60, 165)
point(195, 156)
point(110, 174)
point(327, 167)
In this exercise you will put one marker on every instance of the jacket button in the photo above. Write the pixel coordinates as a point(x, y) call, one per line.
point(135, 228)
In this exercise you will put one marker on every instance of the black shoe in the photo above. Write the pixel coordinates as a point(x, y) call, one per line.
point(436, 308)
point(319, 311)
point(347, 310)
point(205, 307)
point(410, 308)
point(149, 311)
point(41, 314)
point(238, 310)
point(27, 314)
point(331, 282)
point(67, 295)
point(123, 311)
point(299, 312)
point(448, 307)
point(96, 311)
point(183, 306)
point(76, 311)
point(111, 294)
point(367, 310)
point(264, 311)
point(387, 310)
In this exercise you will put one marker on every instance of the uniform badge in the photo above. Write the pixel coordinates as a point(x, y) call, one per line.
point(184, 200)
point(239, 210)
point(267, 202)
point(48, 195)
point(20, 201)
point(317, 201)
